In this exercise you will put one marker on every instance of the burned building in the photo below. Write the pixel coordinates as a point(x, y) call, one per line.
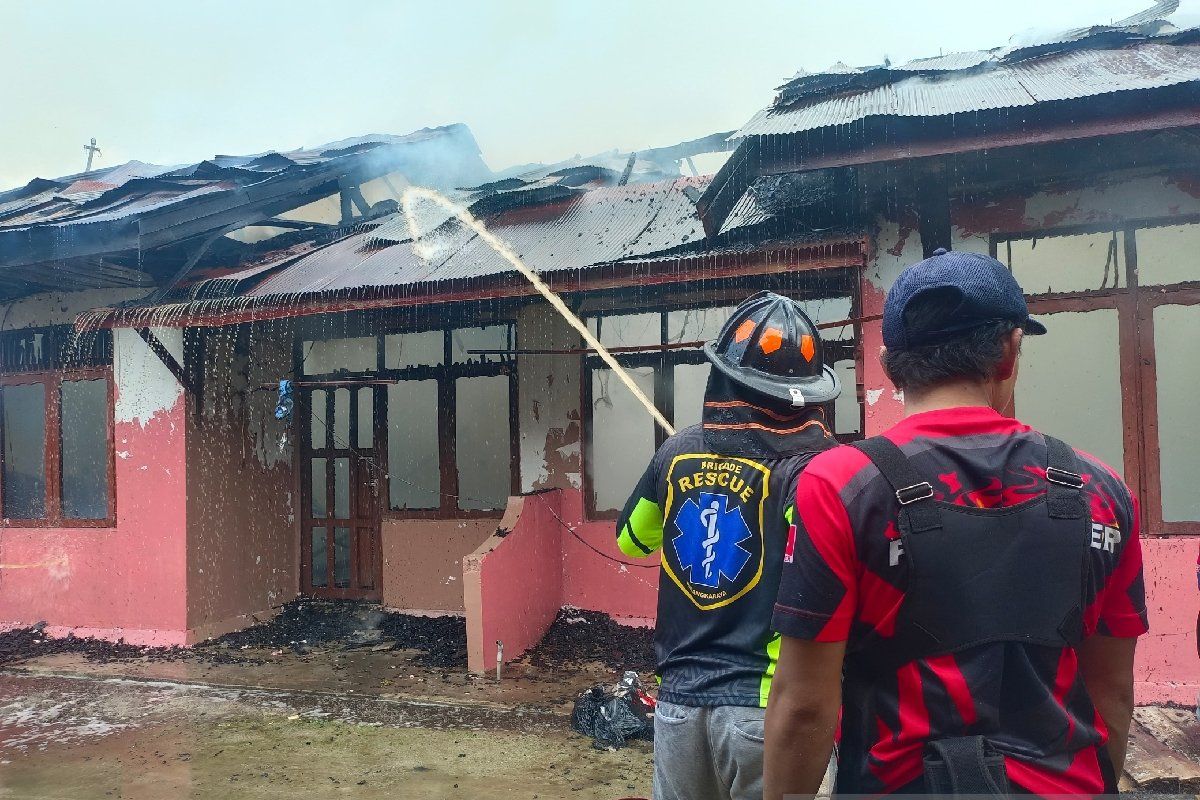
point(453, 448)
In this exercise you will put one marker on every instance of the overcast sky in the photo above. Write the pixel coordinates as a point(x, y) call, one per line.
point(536, 80)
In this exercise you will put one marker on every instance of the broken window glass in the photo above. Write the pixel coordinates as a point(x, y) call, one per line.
point(341, 419)
point(847, 411)
point(1176, 331)
point(483, 450)
point(696, 324)
point(622, 436)
point(627, 330)
point(341, 488)
point(319, 483)
point(1083, 354)
point(403, 350)
point(414, 472)
point(341, 355)
point(320, 558)
point(25, 451)
point(1167, 254)
point(492, 337)
point(318, 428)
point(1074, 263)
point(365, 434)
point(85, 456)
point(341, 558)
point(830, 309)
point(690, 382)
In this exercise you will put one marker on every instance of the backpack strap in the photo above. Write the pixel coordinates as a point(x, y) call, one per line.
point(912, 491)
point(1064, 495)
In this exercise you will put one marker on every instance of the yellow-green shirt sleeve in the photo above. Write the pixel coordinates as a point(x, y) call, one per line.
point(641, 532)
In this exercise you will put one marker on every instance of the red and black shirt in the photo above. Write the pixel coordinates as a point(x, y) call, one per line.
point(845, 577)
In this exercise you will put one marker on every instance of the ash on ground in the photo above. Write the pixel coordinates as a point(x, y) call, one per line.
point(301, 626)
point(32, 642)
point(578, 637)
point(304, 625)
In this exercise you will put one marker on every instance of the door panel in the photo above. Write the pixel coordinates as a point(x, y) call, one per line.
point(342, 479)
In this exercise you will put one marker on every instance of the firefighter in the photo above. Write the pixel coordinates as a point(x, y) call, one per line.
point(715, 501)
point(979, 582)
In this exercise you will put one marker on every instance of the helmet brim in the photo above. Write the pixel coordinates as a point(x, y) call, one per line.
point(815, 390)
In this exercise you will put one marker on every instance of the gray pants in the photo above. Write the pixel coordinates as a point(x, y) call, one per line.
point(707, 753)
point(711, 753)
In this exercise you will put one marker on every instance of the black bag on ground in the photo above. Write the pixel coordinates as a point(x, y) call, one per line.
point(587, 708)
point(611, 719)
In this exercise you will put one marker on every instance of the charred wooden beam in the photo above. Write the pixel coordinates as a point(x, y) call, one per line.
point(164, 355)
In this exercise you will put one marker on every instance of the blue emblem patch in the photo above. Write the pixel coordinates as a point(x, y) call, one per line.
point(709, 544)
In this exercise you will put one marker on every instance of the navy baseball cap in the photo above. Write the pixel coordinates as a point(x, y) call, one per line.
point(984, 291)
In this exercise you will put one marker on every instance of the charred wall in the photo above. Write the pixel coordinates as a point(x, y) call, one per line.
point(242, 541)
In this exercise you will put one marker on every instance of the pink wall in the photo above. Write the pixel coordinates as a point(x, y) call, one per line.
point(423, 561)
point(1167, 666)
point(126, 582)
point(626, 589)
point(512, 584)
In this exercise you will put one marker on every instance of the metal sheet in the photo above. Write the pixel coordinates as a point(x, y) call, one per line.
point(45, 220)
point(600, 226)
point(1061, 76)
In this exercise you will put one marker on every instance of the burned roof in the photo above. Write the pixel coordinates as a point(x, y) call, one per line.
point(118, 214)
point(585, 228)
point(1140, 73)
point(969, 82)
point(647, 232)
point(1148, 50)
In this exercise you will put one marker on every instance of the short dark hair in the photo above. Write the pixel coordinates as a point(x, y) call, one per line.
point(972, 354)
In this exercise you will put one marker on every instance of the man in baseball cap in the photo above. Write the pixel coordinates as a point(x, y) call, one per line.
point(979, 583)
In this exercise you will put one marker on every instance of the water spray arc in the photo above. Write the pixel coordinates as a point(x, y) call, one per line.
point(413, 194)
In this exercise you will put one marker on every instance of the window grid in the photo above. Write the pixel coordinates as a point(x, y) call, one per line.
point(664, 363)
point(1135, 305)
point(53, 516)
point(446, 374)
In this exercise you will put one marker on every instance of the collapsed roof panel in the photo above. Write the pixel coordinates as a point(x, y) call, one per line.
point(136, 207)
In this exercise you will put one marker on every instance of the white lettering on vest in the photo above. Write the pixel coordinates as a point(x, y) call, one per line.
point(1105, 537)
point(895, 551)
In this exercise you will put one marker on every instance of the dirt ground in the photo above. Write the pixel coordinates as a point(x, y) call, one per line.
point(345, 701)
point(77, 737)
point(338, 699)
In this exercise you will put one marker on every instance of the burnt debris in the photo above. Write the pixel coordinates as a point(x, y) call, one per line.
point(579, 637)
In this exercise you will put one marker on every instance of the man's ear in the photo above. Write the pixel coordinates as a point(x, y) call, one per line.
point(1012, 350)
point(883, 362)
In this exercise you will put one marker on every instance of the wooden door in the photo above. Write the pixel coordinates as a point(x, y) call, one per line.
point(342, 478)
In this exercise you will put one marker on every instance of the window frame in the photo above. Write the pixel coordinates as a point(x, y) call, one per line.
point(664, 382)
point(1138, 368)
point(53, 380)
point(446, 375)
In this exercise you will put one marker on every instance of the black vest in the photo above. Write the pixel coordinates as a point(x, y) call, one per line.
point(980, 575)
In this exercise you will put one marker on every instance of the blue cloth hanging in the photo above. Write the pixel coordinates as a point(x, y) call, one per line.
point(287, 401)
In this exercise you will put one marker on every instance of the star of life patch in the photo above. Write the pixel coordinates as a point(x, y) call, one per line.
point(715, 512)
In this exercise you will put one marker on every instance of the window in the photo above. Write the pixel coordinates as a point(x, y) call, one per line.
point(447, 417)
point(622, 437)
point(57, 459)
point(1123, 311)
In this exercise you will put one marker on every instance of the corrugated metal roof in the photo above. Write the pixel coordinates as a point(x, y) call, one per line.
point(1059, 76)
point(599, 226)
point(135, 207)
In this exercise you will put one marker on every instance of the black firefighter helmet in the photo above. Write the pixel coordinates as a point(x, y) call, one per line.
point(770, 346)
